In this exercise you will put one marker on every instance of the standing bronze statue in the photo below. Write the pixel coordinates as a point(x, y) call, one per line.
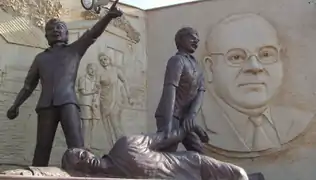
point(56, 68)
point(182, 94)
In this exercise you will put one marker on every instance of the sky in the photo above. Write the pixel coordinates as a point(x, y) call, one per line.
point(148, 4)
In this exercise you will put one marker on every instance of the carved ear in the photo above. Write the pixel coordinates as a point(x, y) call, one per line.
point(283, 51)
point(207, 64)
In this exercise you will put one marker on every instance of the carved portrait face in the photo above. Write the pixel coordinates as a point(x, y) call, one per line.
point(56, 31)
point(91, 69)
point(244, 62)
point(187, 40)
point(104, 60)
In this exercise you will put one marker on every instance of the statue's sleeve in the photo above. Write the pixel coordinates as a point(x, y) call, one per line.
point(84, 42)
point(158, 141)
point(173, 71)
point(32, 77)
point(202, 83)
point(91, 35)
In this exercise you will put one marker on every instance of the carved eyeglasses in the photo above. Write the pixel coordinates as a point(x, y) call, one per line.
point(238, 56)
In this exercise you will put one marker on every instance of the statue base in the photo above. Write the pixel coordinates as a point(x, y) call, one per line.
point(47, 173)
point(53, 173)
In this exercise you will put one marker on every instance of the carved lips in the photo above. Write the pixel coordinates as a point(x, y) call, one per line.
point(194, 45)
point(252, 84)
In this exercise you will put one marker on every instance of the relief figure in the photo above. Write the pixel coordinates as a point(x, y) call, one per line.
point(89, 102)
point(110, 76)
point(244, 72)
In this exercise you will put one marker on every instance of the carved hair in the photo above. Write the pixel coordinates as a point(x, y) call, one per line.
point(182, 33)
point(55, 21)
point(101, 54)
point(233, 18)
point(92, 65)
point(67, 161)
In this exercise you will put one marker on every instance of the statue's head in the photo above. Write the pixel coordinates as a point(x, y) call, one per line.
point(79, 160)
point(187, 40)
point(91, 69)
point(56, 31)
point(104, 60)
point(244, 60)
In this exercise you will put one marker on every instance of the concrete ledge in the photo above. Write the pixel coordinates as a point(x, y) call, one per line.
point(4, 177)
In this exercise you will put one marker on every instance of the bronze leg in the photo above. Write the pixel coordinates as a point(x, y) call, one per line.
point(47, 122)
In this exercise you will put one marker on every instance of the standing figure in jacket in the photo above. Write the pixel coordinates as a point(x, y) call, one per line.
point(57, 68)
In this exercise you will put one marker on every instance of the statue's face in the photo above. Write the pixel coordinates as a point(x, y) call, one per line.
point(91, 70)
point(56, 32)
point(105, 61)
point(84, 160)
point(189, 43)
point(245, 63)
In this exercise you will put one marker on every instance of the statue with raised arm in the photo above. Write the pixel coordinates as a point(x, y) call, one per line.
point(56, 68)
point(183, 91)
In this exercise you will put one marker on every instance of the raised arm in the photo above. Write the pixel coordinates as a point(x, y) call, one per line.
point(30, 84)
point(90, 36)
point(168, 97)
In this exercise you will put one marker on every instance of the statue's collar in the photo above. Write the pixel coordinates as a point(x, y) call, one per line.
point(56, 47)
point(187, 55)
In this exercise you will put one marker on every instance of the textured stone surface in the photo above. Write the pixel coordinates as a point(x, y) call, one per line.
point(292, 109)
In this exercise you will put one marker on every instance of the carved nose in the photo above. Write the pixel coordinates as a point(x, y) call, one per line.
point(253, 65)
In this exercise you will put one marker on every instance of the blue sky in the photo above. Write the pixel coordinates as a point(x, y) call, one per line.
point(148, 4)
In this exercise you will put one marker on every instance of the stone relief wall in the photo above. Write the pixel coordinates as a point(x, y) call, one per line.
point(118, 80)
point(113, 71)
point(244, 70)
point(259, 106)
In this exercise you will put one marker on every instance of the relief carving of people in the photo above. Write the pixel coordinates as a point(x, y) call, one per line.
point(244, 72)
point(89, 94)
point(110, 77)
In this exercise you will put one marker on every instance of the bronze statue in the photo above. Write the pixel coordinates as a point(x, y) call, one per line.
point(138, 156)
point(56, 68)
point(183, 91)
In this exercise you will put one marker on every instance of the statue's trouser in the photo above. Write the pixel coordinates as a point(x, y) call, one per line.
point(191, 142)
point(48, 119)
point(214, 169)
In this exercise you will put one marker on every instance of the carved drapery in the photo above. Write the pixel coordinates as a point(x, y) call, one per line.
point(38, 11)
point(121, 23)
